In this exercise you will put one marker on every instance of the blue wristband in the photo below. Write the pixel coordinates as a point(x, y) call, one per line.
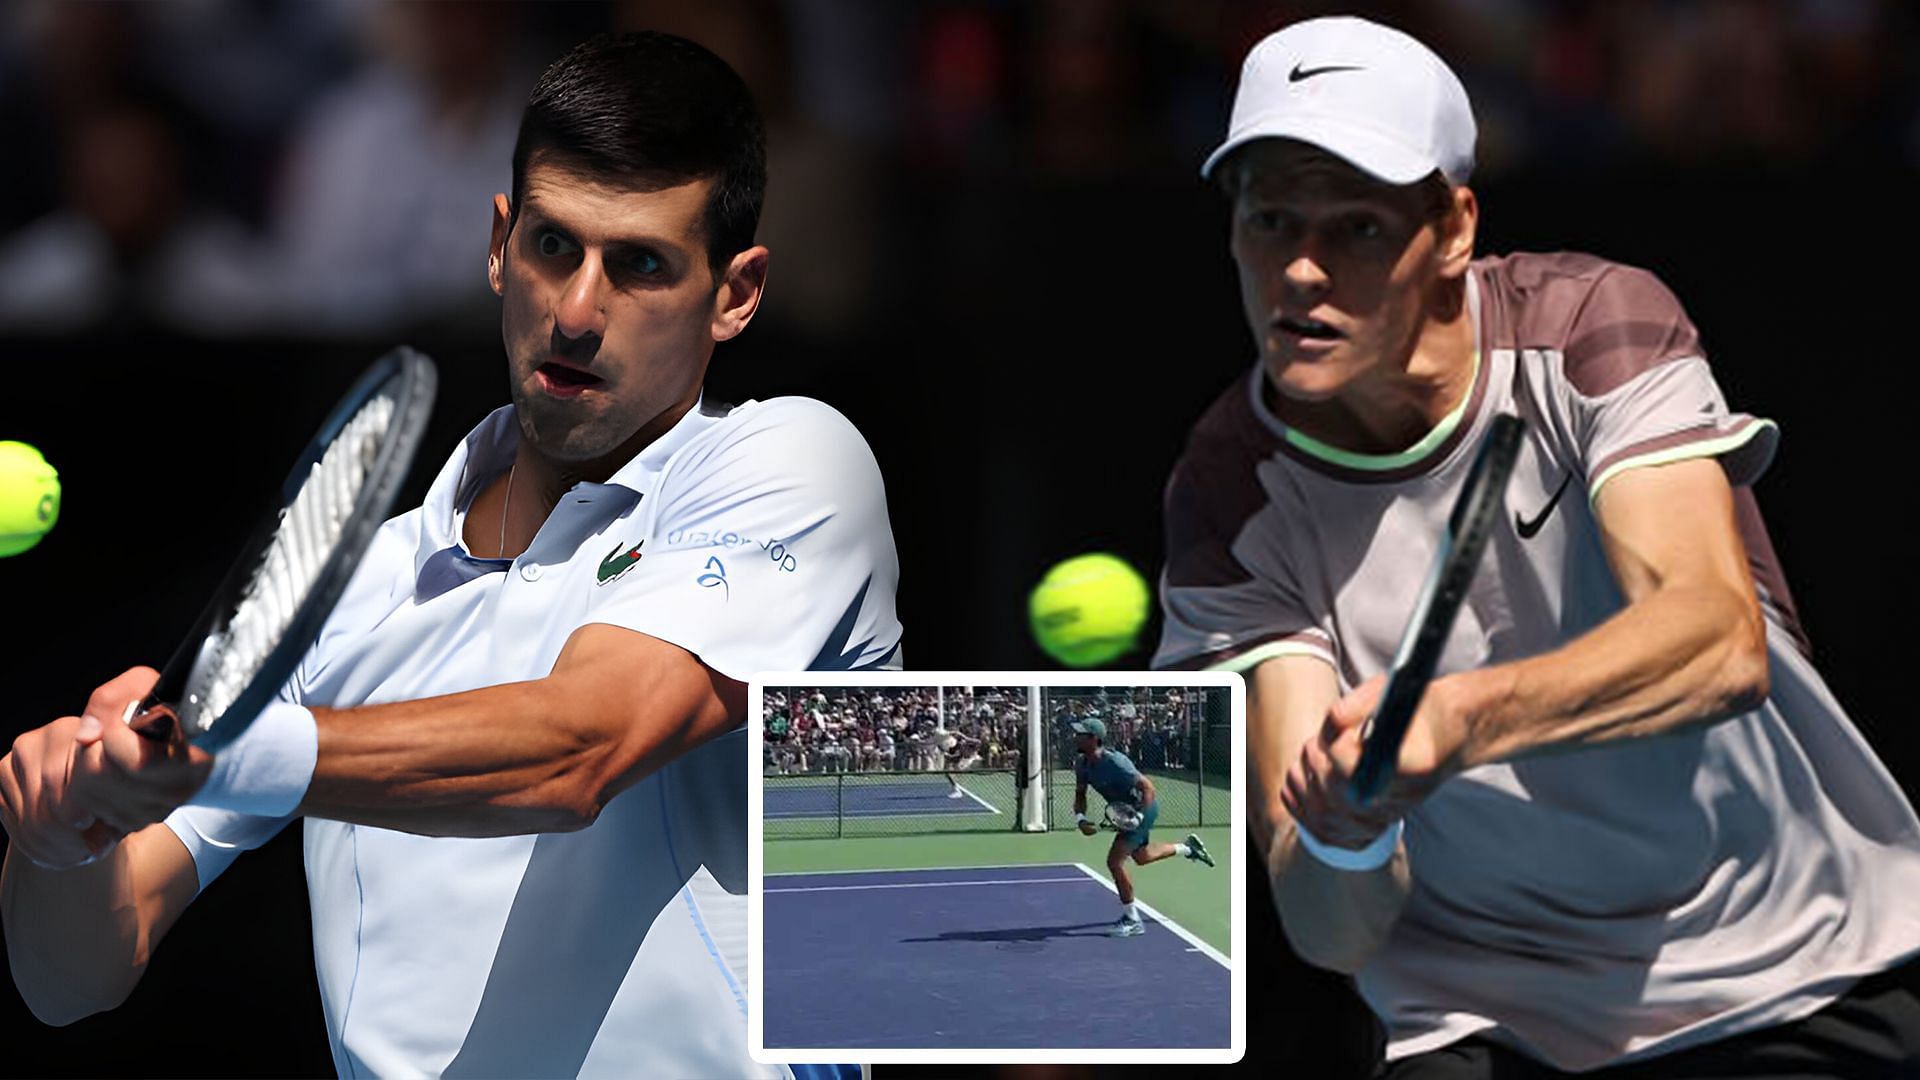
point(1372, 857)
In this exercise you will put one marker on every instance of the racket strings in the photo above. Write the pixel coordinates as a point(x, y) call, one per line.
point(310, 529)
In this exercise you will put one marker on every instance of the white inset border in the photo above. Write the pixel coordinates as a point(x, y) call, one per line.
point(1236, 880)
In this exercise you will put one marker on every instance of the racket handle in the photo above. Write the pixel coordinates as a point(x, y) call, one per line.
point(1371, 774)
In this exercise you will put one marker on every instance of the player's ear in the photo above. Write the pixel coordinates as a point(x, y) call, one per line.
point(497, 246)
point(1458, 230)
point(741, 285)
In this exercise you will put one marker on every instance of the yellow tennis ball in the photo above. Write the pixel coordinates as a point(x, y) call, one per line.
point(29, 497)
point(1089, 609)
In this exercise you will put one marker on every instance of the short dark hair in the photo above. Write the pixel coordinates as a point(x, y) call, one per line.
point(651, 110)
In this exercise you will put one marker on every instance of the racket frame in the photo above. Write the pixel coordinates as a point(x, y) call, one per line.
point(413, 382)
point(1480, 506)
point(1107, 815)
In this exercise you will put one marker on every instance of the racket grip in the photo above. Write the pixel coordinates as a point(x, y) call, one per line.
point(1370, 775)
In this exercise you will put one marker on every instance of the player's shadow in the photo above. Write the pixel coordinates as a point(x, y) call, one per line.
point(1018, 933)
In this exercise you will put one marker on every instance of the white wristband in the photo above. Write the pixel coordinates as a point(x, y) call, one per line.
point(1372, 857)
point(267, 769)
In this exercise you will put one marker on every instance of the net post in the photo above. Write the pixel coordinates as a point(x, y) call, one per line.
point(1198, 734)
point(1033, 798)
point(839, 805)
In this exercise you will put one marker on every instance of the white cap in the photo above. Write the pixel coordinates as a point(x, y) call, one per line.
point(1364, 92)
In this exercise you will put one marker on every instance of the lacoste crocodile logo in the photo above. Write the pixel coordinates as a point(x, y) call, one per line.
point(618, 561)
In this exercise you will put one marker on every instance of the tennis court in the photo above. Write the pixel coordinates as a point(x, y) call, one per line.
point(822, 797)
point(980, 957)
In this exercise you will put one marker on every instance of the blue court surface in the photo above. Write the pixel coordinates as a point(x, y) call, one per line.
point(982, 958)
point(896, 797)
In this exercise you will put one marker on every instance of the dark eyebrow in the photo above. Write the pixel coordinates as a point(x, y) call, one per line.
point(621, 245)
point(627, 249)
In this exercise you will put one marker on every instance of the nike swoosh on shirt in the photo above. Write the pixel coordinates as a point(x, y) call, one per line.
point(1300, 74)
point(1526, 528)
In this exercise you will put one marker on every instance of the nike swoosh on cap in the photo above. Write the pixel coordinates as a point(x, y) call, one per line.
point(1300, 74)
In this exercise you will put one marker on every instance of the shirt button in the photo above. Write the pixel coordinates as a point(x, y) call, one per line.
point(530, 571)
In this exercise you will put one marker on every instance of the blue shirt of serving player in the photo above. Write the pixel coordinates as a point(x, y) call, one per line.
point(1112, 774)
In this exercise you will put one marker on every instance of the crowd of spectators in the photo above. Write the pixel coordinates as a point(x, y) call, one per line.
point(1152, 725)
point(935, 729)
point(230, 168)
point(893, 729)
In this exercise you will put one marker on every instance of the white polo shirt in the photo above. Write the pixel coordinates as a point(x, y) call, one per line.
point(756, 538)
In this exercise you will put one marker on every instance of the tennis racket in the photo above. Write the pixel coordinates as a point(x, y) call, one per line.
point(1476, 511)
point(1124, 817)
point(267, 612)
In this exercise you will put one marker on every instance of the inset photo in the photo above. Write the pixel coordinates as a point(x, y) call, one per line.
point(997, 866)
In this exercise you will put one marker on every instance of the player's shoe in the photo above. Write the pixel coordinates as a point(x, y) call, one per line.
point(1197, 851)
point(956, 793)
point(1127, 928)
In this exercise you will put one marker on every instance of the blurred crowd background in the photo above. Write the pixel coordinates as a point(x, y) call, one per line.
point(892, 729)
point(958, 728)
point(992, 251)
point(321, 169)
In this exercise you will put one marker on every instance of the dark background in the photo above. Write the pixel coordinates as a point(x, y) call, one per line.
point(991, 251)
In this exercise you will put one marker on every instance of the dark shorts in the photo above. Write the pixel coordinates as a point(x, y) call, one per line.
point(1871, 1033)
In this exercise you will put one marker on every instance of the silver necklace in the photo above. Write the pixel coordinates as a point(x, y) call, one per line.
point(504, 506)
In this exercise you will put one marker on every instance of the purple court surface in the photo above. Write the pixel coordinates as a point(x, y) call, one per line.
point(979, 958)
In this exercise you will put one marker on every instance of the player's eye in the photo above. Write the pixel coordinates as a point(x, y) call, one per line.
point(553, 245)
point(1268, 221)
point(1365, 227)
point(646, 263)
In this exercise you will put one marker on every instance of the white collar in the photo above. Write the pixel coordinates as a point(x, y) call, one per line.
point(488, 451)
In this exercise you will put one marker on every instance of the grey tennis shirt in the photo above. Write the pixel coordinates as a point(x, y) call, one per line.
point(1112, 774)
point(1594, 906)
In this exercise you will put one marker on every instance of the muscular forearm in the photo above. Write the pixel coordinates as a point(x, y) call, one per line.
point(78, 940)
point(524, 757)
point(1335, 919)
point(1681, 655)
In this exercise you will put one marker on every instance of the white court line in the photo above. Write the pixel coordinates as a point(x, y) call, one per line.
point(936, 885)
point(991, 809)
point(1185, 934)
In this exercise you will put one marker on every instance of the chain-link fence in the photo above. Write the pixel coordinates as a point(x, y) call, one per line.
point(889, 804)
point(894, 760)
point(1179, 737)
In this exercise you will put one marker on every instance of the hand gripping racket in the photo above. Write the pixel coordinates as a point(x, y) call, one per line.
point(269, 609)
point(1476, 511)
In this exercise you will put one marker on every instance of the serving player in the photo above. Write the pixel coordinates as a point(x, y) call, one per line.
point(517, 743)
point(1113, 775)
point(961, 752)
point(1630, 823)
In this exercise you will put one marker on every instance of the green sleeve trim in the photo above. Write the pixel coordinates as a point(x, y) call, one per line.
point(1714, 447)
point(1253, 658)
point(1386, 462)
